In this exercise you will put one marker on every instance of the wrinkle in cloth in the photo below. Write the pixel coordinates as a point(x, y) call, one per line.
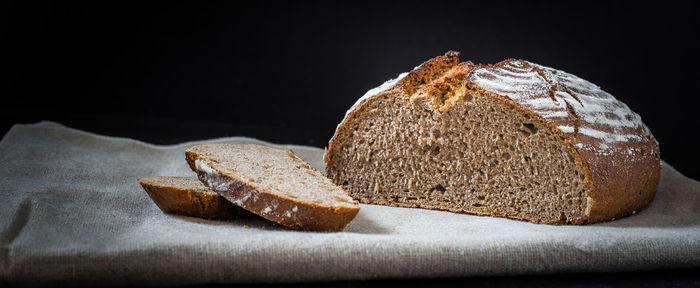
point(72, 212)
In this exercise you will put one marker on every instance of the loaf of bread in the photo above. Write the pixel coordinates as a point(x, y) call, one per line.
point(274, 184)
point(189, 197)
point(515, 139)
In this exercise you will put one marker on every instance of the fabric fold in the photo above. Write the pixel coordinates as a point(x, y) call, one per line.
point(73, 212)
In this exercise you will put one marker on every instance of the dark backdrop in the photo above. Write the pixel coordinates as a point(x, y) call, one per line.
point(165, 72)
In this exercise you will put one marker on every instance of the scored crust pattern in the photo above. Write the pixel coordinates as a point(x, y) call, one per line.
point(616, 150)
point(591, 118)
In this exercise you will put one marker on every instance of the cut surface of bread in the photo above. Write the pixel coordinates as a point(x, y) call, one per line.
point(189, 197)
point(514, 139)
point(274, 184)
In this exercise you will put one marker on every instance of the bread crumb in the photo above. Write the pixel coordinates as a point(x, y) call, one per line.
point(341, 199)
point(290, 153)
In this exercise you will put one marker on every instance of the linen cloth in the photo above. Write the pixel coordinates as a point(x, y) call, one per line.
point(73, 212)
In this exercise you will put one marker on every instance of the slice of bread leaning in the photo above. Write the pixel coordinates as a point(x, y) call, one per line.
point(515, 139)
point(189, 197)
point(274, 184)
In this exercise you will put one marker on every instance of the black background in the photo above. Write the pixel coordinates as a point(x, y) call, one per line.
point(166, 72)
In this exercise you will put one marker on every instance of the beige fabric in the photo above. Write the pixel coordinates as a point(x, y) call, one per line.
point(72, 211)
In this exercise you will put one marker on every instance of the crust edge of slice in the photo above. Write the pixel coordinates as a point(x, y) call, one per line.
point(292, 213)
point(187, 200)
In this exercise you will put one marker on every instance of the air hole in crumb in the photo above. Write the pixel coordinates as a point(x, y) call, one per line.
point(477, 205)
point(443, 96)
point(439, 188)
point(562, 217)
point(436, 150)
point(345, 183)
point(527, 159)
point(530, 127)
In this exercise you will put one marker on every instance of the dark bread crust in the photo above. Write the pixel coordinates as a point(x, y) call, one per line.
point(304, 215)
point(623, 187)
point(617, 185)
point(188, 201)
point(615, 189)
point(428, 71)
point(425, 73)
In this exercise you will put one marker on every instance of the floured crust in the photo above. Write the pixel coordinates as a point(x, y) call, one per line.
point(285, 210)
point(188, 197)
point(619, 153)
point(620, 159)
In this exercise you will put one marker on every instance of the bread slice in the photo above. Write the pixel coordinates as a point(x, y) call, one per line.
point(274, 184)
point(514, 139)
point(189, 197)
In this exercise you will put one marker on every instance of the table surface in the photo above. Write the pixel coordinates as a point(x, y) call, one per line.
point(163, 131)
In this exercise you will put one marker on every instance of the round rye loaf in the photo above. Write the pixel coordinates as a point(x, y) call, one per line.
point(515, 139)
